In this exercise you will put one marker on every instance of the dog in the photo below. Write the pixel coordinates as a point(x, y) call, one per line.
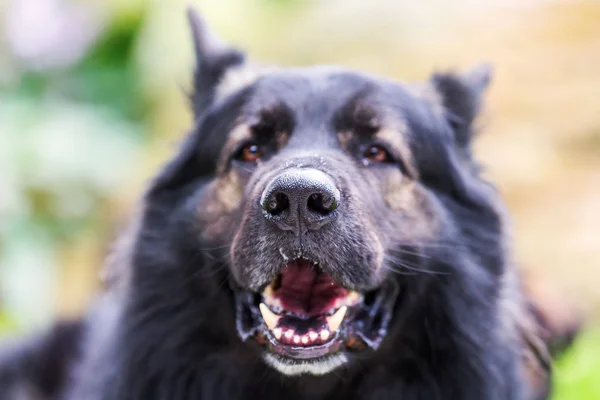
point(320, 234)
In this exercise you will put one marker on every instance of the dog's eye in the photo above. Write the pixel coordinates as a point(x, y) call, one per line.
point(251, 152)
point(377, 154)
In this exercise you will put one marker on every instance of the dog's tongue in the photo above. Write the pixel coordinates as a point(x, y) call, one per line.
point(307, 290)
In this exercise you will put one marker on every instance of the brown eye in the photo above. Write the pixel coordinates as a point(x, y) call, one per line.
point(377, 154)
point(250, 153)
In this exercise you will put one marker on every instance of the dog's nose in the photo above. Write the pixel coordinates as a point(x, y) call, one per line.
point(301, 197)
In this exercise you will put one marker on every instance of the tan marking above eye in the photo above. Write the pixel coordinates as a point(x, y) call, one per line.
point(344, 138)
point(239, 134)
point(395, 138)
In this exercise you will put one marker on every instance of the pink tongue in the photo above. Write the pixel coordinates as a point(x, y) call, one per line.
point(306, 290)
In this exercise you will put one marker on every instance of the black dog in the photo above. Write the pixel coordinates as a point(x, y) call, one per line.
point(321, 234)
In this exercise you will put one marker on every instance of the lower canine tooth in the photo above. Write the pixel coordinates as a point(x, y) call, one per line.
point(352, 298)
point(277, 333)
point(268, 292)
point(324, 334)
point(271, 319)
point(336, 319)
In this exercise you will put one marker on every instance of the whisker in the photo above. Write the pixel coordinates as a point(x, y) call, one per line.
point(226, 246)
point(410, 267)
point(413, 253)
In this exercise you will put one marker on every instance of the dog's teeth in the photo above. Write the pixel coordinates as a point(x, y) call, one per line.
point(324, 334)
point(296, 339)
point(268, 292)
point(304, 339)
point(313, 336)
point(336, 319)
point(288, 334)
point(271, 319)
point(273, 302)
point(277, 333)
point(352, 298)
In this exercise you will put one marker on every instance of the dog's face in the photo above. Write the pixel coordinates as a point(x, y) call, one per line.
point(332, 192)
point(320, 163)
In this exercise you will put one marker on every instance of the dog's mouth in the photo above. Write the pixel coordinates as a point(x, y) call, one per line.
point(305, 315)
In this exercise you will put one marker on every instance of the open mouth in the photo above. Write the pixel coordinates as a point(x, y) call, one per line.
point(304, 317)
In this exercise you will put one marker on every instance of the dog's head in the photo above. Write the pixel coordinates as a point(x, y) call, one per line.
point(331, 196)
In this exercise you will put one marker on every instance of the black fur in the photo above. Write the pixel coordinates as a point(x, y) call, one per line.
point(174, 336)
point(41, 365)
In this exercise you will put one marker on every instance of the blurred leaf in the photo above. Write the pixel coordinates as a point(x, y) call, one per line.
point(6, 324)
point(577, 374)
point(106, 76)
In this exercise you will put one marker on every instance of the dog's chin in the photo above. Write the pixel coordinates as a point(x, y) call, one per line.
point(316, 366)
point(309, 324)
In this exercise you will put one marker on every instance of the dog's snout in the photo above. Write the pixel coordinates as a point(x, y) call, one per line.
point(301, 197)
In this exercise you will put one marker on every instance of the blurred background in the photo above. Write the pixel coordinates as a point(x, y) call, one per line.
point(93, 101)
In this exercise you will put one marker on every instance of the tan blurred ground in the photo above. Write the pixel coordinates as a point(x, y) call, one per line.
point(542, 123)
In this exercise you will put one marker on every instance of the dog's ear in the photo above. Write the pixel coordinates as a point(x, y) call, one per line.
point(213, 59)
point(461, 96)
point(197, 155)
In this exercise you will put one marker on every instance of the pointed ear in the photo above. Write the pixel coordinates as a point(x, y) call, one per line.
point(213, 59)
point(461, 96)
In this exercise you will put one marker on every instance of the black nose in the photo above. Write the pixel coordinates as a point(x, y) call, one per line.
point(301, 197)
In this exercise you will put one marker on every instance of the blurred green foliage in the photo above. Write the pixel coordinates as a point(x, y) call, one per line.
point(577, 372)
point(68, 137)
